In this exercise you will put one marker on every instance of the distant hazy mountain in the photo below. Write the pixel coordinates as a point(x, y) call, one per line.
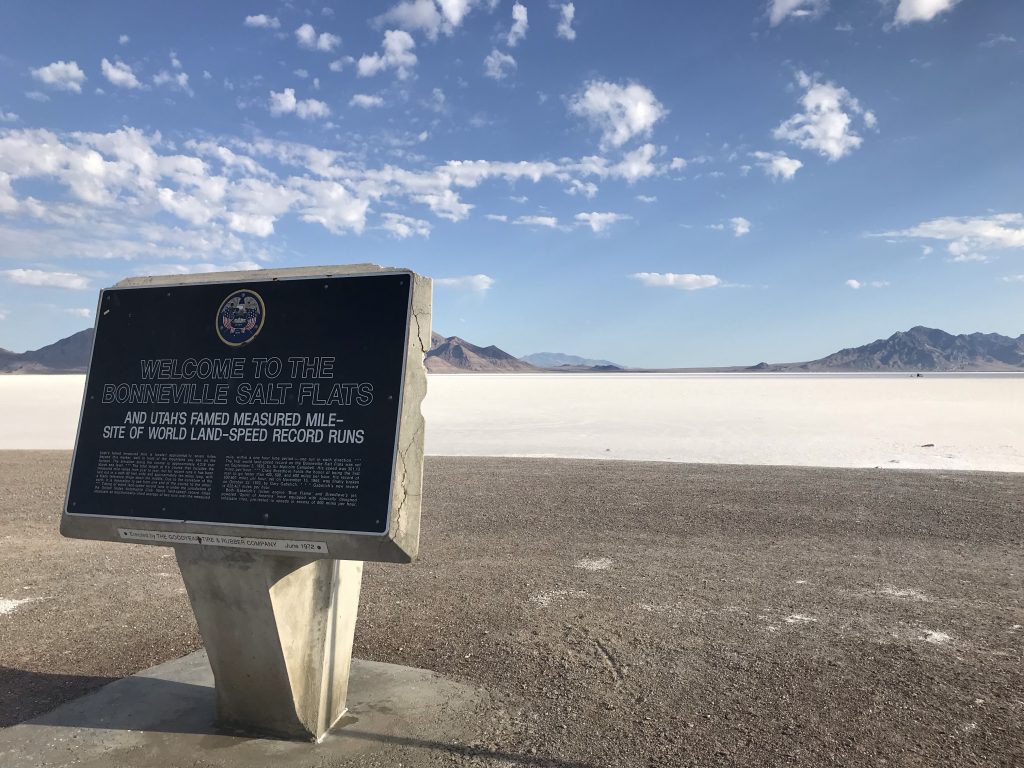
point(921, 349)
point(70, 355)
point(455, 355)
point(557, 359)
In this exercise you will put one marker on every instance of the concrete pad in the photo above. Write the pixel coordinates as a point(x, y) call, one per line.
point(164, 716)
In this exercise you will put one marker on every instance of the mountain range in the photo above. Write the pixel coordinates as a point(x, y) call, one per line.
point(919, 349)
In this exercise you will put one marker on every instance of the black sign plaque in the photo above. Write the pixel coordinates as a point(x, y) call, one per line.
point(264, 403)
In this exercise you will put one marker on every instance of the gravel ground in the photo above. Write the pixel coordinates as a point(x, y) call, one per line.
point(619, 613)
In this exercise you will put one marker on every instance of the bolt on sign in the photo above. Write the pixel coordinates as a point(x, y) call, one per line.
point(275, 410)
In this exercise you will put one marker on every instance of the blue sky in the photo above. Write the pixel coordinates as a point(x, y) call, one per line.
point(660, 184)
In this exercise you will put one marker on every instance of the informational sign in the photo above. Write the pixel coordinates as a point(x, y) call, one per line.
point(266, 403)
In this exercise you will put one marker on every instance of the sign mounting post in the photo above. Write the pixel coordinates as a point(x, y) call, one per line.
point(267, 426)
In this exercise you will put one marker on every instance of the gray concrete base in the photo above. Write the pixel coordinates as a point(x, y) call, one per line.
point(164, 716)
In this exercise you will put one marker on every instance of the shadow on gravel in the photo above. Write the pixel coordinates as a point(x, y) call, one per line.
point(465, 750)
point(24, 695)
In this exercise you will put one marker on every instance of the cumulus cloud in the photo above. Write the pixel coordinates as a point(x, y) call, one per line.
point(479, 284)
point(567, 13)
point(262, 21)
point(308, 38)
point(970, 238)
point(740, 226)
point(777, 165)
point(405, 226)
point(62, 75)
point(365, 101)
point(285, 103)
point(520, 23)
point(826, 123)
point(587, 189)
point(909, 11)
point(498, 65)
point(599, 222)
point(123, 39)
point(415, 16)
point(8, 117)
point(858, 284)
point(175, 80)
point(538, 221)
point(226, 196)
point(682, 282)
point(619, 112)
point(779, 10)
point(119, 74)
point(396, 54)
point(42, 278)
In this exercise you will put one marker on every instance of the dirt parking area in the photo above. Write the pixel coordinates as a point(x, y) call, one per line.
point(619, 613)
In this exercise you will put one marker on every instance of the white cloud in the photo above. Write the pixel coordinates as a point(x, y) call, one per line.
point(263, 21)
point(109, 187)
point(587, 189)
point(405, 226)
point(740, 226)
point(1006, 279)
point(365, 101)
point(62, 75)
point(520, 23)
point(683, 282)
point(454, 11)
point(779, 10)
point(41, 278)
point(926, 250)
point(599, 222)
point(123, 39)
point(120, 74)
point(308, 38)
point(538, 221)
point(416, 16)
point(79, 312)
point(8, 117)
point(498, 65)
point(647, 198)
point(480, 284)
point(339, 64)
point(677, 164)
point(495, 217)
point(285, 103)
point(37, 96)
point(1000, 39)
point(620, 112)
point(970, 238)
point(566, 15)
point(301, 73)
point(858, 284)
point(777, 165)
point(397, 55)
point(909, 11)
point(636, 165)
point(177, 81)
point(3, 314)
point(825, 125)
point(970, 258)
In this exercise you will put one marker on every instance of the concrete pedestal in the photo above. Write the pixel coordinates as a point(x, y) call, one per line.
point(278, 631)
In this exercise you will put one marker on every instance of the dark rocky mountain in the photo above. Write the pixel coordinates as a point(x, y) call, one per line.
point(70, 355)
point(455, 355)
point(921, 349)
point(559, 359)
